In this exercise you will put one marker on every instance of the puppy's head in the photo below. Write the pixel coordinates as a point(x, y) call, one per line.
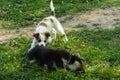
point(42, 38)
point(31, 54)
point(75, 63)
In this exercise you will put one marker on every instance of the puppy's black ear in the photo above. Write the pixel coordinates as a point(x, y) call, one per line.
point(36, 35)
point(47, 34)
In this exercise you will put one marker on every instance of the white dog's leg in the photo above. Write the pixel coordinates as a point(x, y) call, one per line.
point(59, 27)
point(33, 43)
point(54, 32)
point(63, 33)
point(60, 30)
point(57, 24)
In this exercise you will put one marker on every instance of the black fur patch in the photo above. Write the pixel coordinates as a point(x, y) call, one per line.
point(49, 57)
point(36, 35)
point(46, 56)
point(47, 35)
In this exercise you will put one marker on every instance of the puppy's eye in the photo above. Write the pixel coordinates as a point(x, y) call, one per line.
point(44, 40)
point(39, 40)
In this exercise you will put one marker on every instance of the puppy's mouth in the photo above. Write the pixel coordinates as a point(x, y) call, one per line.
point(42, 44)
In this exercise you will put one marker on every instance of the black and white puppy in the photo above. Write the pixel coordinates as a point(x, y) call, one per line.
point(55, 58)
point(46, 29)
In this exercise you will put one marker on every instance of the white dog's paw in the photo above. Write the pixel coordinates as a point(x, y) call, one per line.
point(66, 38)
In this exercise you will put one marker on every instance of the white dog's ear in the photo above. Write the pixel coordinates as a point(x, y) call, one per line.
point(36, 35)
point(47, 34)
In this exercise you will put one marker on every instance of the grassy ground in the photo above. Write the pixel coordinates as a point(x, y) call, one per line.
point(100, 50)
point(16, 14)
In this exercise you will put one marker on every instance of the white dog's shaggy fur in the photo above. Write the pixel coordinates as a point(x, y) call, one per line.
point(46, 29)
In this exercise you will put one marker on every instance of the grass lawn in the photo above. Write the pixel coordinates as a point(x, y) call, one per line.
point(16, 14)
point(100, 50)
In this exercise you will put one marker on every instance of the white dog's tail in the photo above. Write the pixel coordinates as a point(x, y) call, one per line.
point(52, 8)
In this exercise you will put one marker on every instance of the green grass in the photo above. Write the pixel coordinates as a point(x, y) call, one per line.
point(100, 50)
point(80, 26)
point(25, 12)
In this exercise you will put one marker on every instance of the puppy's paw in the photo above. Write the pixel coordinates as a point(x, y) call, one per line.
point(32, 61)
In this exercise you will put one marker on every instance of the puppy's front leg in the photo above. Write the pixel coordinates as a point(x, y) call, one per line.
point(33, 43)
point(51, 66)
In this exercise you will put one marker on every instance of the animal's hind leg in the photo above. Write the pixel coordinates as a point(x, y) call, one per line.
point(59, 27)
point(51, 66)
point(61, 31)
point(60, 64)
point(54, 32)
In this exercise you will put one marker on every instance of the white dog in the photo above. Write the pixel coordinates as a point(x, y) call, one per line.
point(46, 29)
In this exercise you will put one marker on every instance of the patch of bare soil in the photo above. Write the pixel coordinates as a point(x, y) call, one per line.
point(107, 18)
point(7, 35)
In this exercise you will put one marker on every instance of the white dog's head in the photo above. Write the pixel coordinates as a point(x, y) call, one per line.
point(42, 38)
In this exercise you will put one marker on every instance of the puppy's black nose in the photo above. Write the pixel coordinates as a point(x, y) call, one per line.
point(41, 45)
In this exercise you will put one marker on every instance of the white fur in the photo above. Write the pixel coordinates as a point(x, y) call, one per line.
point(64, 62)
point(51, 6)
point(74, 66)
point(52, 27)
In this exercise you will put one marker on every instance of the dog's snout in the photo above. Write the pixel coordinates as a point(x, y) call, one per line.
point(41, 45)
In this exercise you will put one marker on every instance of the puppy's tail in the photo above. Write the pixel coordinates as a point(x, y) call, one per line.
point(52, 8)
